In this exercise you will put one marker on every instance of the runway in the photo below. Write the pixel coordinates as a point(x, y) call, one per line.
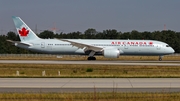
point(44, 85)
point(157, 63)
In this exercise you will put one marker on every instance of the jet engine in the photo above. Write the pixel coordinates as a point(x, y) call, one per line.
point(111, 53)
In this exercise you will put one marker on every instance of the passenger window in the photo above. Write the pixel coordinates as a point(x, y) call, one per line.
point(167, 46)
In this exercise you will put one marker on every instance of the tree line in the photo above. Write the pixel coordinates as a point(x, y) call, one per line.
point(168, 36)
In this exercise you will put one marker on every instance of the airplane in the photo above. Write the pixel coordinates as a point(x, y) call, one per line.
point(91, 47)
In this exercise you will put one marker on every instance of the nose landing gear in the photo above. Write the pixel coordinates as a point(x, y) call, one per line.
point(160, 58)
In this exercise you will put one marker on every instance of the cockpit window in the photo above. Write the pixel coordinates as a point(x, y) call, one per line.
point(167, 46)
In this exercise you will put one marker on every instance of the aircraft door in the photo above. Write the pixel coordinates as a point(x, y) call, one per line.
point(125, 46)
point(158, 47)
point(42, 44)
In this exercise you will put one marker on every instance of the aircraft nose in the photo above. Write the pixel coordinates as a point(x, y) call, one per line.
point(172, 50)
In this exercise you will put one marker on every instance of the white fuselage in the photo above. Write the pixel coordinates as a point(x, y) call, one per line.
point(126, 47)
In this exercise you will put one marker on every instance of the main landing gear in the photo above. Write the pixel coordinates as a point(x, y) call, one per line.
point(160, 58)
point(91, 58)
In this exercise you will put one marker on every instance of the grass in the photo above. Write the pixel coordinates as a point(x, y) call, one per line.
point(88, 71)
point(111, 96)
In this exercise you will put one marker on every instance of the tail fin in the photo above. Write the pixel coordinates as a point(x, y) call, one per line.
point(24, 32)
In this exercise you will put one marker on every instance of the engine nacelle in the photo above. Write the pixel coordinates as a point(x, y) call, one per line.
point(111, 53)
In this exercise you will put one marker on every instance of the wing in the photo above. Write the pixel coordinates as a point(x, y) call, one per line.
point(83, 46)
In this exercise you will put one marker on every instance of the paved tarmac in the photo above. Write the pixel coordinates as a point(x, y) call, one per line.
point(157, 63)
point(89, 85)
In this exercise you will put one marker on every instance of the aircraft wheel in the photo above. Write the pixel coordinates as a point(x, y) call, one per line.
point(91, 58)
point(94, 58)
point(160, 58)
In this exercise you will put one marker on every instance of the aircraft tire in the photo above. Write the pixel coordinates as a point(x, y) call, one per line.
point(160, 58)
point(91, 58)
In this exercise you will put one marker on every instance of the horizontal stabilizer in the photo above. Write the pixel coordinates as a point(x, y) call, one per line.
point(19, 43)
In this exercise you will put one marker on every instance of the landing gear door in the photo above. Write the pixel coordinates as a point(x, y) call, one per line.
point(42, 44)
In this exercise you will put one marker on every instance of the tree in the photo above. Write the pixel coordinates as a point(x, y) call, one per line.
point(12, 36)
point(111, 34)
point(90, 33)
point(126, 35)
point(146, 35)
point(136, 35)
point(46, 34)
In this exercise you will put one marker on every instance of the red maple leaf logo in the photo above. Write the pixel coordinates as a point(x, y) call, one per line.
point(150, 43)
point(23, 32)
